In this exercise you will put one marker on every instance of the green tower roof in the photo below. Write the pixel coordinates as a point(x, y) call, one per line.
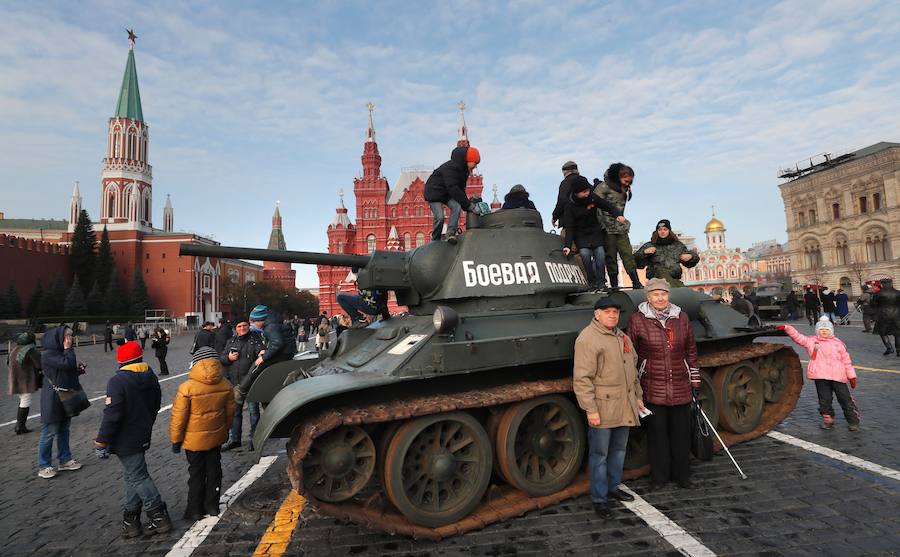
point(129, 105)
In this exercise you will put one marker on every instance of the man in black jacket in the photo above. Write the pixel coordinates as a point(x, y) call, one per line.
point(237, 357)
point(570, 174)
point(132, 404)
point(205, 337)
point(224, 332)
point(280, 347)
point(887, 322)
point(811, 304)
point(447, 186)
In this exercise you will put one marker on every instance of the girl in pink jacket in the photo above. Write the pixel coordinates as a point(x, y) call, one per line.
point(830, 367)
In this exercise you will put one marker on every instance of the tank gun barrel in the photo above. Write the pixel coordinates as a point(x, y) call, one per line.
point(308, 257)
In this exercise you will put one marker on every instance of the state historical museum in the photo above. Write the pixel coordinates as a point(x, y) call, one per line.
point(393, 220)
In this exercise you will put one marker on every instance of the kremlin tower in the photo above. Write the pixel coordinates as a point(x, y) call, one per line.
point(279, 272)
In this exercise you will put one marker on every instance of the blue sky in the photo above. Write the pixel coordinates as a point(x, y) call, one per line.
point(249, 104)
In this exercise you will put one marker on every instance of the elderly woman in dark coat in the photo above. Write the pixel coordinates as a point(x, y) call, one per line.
point(667, 363)
point(60, 370)
point(24, 364)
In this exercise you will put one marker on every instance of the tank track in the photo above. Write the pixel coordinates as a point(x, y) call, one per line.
point(502, 501)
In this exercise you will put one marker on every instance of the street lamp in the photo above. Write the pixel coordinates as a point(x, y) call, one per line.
point(247, 285)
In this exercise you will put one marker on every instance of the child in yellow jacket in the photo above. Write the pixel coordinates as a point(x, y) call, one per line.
point(201, 416)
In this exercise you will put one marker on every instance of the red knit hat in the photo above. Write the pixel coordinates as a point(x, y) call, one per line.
point(472, 155)
point(129, 352)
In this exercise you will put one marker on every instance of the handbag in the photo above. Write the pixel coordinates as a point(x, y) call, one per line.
point(701, 436)
point(74, 401)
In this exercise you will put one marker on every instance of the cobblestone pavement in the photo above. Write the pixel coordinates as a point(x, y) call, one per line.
point(794, 502)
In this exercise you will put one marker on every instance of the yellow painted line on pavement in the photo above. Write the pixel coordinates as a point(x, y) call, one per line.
point(863, 368)
point(278, 535)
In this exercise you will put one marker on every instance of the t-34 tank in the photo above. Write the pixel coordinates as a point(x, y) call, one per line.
point(461, 413)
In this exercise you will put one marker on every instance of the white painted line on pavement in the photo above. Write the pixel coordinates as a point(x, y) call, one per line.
point(685, 543)
point(195, 535)
point(837, 455)
point(96, 398)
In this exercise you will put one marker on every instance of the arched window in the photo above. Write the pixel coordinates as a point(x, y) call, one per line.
point(370, 243)
point(877, 246)
point(842, 251)
point(836, 211)
point(406, 211)
point(420, 239)
point(418, 211)
point(813, 255)
point(394, 213)
point(407, 241)
point(111, 205)
point(340, 247)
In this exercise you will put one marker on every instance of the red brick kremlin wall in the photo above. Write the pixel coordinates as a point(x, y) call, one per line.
point(27, 261)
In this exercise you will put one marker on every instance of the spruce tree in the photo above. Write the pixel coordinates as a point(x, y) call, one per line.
point(94, 300)
point(140, 300)
point(75, 304)
point(34, 301)
point(13, 302)
point(114, 299)
point(53, 299)
point(83, 256)
point(105, 262)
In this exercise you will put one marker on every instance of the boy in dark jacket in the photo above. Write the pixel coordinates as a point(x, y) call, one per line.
point(280, 347)
point(447, 186)
point(517, 198)
point(132, 404)
point(582, 230)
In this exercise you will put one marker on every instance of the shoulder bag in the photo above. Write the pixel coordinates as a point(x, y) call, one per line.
point(74, 401)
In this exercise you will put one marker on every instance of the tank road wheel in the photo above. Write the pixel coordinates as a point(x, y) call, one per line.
point(775, 378)
point(339, 464)
point(540, 444)
point(437, 468)
point(708, 398)
point(739, 389)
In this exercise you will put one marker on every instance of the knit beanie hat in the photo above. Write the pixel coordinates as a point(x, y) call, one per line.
point(569, 165)
point(824, 323)
point(580, 183)
point(472, 155)
point(129, 352)
point(518, 188)
point(259, 313)
point(204, 353)
point(664, 223)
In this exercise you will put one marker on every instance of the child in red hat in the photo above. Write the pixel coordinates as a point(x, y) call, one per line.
point(132, 404)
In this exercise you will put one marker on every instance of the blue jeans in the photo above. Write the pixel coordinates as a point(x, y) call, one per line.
point(594, 260)
point(238, 421)
point(437, 210)
point(353, 304)
point(606, 458)
point(139, 486)
point(60, 431)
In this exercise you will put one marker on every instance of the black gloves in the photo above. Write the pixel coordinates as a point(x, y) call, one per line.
point(176, 447)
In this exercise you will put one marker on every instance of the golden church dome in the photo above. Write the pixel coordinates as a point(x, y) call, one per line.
point(715, 225)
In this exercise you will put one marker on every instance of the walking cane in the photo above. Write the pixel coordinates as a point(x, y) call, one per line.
point(724, 446)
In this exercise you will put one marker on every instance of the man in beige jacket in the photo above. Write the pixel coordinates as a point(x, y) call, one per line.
point(608, 390)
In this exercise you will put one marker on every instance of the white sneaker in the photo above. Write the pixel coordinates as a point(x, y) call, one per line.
point(71, 465)
point(47, 472)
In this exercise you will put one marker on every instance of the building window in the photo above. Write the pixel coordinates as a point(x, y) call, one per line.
point(801, 219)
point(148, 256)
point(393, 213)
point(863, 205)
point(812, 217)
point(836, 211)
point(877, 248)
point(406, 211)
point(163, 255)
point(407, 241)
point(418, 211)
point(876, 201)
point(420, 239)
point(370, 243)
point(813, 256)
point(340, 247)
point(842, 251)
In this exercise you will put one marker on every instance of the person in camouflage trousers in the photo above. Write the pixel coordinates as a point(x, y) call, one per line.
point(664, 255)
point(616, 189)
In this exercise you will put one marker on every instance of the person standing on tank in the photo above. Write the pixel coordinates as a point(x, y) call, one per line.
point(517, 198)
point(606, 384)
point(663, 339)
point(616, 189)
point(447, 186)
point(570, 173)
point(584, 232)
point(664, 255)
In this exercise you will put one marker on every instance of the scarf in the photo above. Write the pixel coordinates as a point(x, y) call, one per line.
point(671, 312)
point(23, 352)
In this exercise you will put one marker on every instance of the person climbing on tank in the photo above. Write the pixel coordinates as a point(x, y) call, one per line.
point(370, 301)
point(616, 189)
point(582, 230)
point(570, 174)
point(664, 255)
point(280, 347)
point(831, 370)
point(517, 198)
point(447, 186)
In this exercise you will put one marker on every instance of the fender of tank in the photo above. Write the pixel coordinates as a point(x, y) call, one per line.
point(492, 325)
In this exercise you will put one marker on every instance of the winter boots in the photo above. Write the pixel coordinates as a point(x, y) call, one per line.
point(160, 523)
point(827, 422)
point(21, 417)
point(635, 281)
point(131, 524)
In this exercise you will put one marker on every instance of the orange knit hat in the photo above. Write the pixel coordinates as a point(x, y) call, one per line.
point(472, 155)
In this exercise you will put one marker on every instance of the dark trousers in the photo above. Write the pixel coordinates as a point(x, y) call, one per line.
point(143, 343)
point(163, 366)
point(107, 345)
point(812, 315)
point(827, 390)
point(669, 439)
point(204, 481)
